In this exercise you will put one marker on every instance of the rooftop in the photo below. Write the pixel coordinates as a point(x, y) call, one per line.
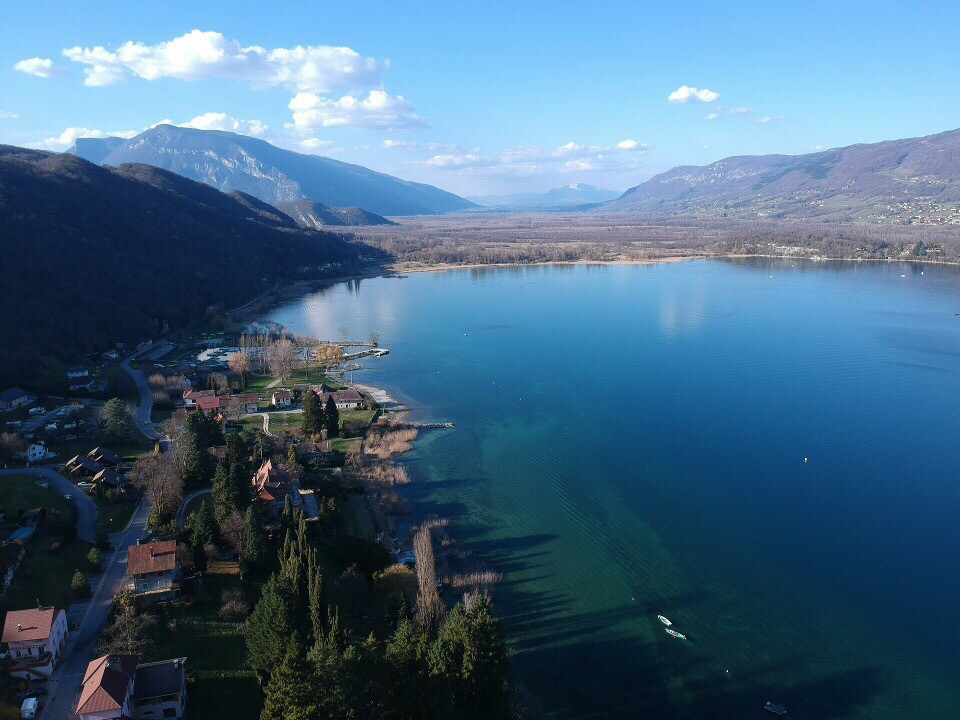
point(106, 682)
point(28, 625)
point(154, 557)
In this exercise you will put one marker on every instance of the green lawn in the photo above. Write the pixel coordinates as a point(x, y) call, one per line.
point(311, 375)
point(114, 516)
point(44, 576)
point(356, 422)
point(280, 422)
point(347, 445)
point(222, 685)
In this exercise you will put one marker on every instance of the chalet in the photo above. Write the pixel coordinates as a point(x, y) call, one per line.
point(152, 571)
point(34, 640)
point(106, 457)
point(108, 478)
point(243, 403)
point(118, 686)
point(190, 397)
point(208, 403)
point(282, 398)
point(272, 486)
point(81, 466)
point(348, 399)
point(14, 398)
point(314, 450)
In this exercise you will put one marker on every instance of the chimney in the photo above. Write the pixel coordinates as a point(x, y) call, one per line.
point(19, 627)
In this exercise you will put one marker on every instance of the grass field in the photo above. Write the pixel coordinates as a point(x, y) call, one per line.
point(311, 375)
point(44, 576)
point(347, 445)
point(113, 517)
point(222, 684)
point(356, 422)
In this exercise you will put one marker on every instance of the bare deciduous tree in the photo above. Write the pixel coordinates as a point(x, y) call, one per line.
point(282, 358)
point(234, 532)
point(240, 362)
point(127, 634)
point(159, 477)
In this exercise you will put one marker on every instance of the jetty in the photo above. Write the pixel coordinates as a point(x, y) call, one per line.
point(370, 352)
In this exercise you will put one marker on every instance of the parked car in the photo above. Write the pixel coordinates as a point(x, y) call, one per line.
point(28, 711)
point(37, 692)
point(85, 485)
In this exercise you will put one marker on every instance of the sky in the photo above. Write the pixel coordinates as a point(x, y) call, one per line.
point(486, 98)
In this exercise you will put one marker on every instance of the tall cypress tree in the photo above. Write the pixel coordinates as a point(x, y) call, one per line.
point(313, 414)
point(332, 418)
point(290, 694)
point(256, 553)
point(195, 461)
point(270, 625)
point(225, 499)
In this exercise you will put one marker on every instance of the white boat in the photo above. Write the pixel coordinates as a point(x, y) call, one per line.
point(677, 635)
point(664, 620)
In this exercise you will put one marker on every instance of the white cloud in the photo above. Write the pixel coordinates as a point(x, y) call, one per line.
point(199, 55)
point(469, 160)
point(398, 145)
point(41, 67)
point(316, 144)
point(376, 111)
point(712, 116)
point(530, 161)
point(4, 115)
point(740, 111)
point(817, 148)
point(222, 121)
point(684, 95)
point(69, 137)
point(767, 119)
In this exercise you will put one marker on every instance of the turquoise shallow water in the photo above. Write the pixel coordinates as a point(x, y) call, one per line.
point(631, 441)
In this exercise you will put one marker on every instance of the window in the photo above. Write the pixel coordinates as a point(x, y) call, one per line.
point(169, 698)
point(169, 712)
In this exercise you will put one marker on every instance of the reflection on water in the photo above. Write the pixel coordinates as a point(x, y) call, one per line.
point(765, 460)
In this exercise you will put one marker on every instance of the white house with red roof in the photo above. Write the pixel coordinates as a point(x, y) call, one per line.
point(152, 570)
point(118, 686)
point(190, 397)
point(34, 640)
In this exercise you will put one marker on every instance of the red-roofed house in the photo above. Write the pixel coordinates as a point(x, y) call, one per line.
point(34, 640)
point(282, 398)
point(153, 572)
point(272, 486)
point(208, 403)
point(243, 402)
point(190, 397)
point(117, 686)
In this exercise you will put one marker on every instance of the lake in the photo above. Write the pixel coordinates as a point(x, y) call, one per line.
point(765, 452)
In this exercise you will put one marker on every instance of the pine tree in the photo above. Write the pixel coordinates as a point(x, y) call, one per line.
point(290, 694)
point(471, 660)
point(313, 413)
point(270, 625)
point(195, 461)
point(203, 528)
point(225, 496)
point(407, 657)
point(317, 608)
point(256, 553)
point(332, 418)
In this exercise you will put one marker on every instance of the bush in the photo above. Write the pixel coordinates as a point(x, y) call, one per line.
point(95, 558)
point(80, 585)
point(368, 556)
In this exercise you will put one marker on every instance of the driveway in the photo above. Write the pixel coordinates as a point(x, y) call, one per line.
point(144, 423)
point(186, 501)
point(84, 505)
point(64, 686)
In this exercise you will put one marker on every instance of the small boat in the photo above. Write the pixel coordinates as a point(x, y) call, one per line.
point(674, 633)
point(775, 709)
point(664, 620)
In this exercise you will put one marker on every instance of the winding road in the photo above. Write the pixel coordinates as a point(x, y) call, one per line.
point(144, 423)
point(84, 505)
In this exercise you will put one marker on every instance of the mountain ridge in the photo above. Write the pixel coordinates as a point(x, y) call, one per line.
point(888, 180)
point(229, 161)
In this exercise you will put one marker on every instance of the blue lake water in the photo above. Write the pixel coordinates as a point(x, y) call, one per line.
point(771, 462)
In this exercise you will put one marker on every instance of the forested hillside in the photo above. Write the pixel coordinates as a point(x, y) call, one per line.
point(93, 255)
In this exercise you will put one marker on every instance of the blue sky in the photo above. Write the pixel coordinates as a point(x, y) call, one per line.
point(487, 98)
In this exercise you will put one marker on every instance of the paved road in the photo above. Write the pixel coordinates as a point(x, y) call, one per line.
point(84, 505)
point(64, 686)
point(144, 424)
point(186, 501)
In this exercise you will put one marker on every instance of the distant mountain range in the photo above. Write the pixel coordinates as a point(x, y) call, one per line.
point(313, 214)
point(568, 195)
point(99, 254)
point(895, 181)
point(229, 161)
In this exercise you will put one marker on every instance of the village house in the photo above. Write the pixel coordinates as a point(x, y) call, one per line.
point(243, 402)
point(14, 398)
point(281, 398)
point(106, 457)
point(94, 385)
point(34, 640)
point(348, 399)
point(77, 373)
point(118, 686)
point(81, 466)
point(152, 571)
point(314, 450)
point(272, 486)
point(208, 403)
point(108, 478)
point(190, 397)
